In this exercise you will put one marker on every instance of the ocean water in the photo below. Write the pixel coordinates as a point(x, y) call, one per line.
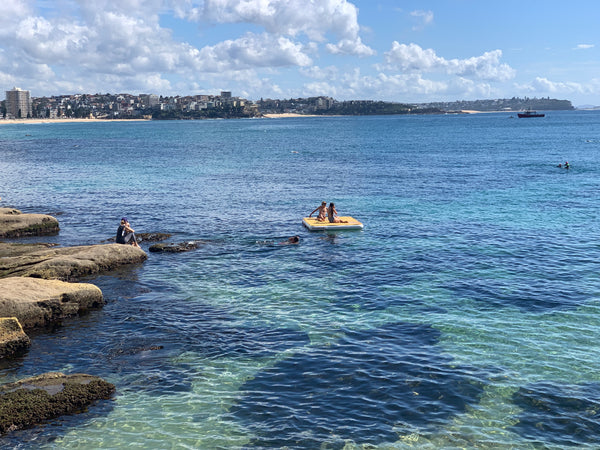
point(465, 314)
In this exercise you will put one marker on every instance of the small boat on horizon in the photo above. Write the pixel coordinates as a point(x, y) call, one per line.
point(530, 113)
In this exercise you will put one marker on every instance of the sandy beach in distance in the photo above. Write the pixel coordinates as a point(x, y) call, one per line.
point(278, 116)
point(34, 121)
point(267, 116)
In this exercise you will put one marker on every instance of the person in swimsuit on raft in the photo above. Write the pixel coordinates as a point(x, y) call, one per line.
point(125, 233)
point(332, 214)
point(322, 212)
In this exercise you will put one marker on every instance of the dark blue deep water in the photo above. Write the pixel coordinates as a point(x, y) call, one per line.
point(466, 313)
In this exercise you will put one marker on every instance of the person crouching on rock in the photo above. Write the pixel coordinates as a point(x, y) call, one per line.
point(125, 233)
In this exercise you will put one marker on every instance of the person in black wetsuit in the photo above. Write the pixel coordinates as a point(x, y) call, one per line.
point(125, 234)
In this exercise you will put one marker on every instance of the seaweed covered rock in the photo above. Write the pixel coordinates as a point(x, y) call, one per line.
point(13, 339)
point(175, 248)
point(13, 223)
point(69, 263)
point(37, 303)
point(35, 400)
point(152, 237)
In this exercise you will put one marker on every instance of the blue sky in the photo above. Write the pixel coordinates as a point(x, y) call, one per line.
point(405, 51)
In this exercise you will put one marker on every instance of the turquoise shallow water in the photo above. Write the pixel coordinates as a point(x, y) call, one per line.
point(465, 314)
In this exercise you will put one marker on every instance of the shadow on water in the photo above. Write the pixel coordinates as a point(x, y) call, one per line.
point(369, 387)
point(525, 272)
point(565, 415)
point(135, 342)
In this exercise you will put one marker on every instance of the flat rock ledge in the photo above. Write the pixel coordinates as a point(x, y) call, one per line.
point(67, 263)
point(13, 339)
point(35, 400)
point(13, 223)
point(38, 303)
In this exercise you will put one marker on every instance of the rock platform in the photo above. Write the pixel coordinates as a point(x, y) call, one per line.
point(38, 303)
point(66, 263)
point(13, 223)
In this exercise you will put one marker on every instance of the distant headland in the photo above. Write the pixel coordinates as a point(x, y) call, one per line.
point(223, 106)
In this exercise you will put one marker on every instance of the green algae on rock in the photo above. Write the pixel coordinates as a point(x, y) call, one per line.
point(35, 400)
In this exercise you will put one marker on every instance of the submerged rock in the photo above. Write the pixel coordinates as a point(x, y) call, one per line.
point(146, 237)
point(37, 303)
point(175, 248)
point(35, 400)
point(13, 339)
point(13, 223)
point(68, 263)
point(152, 237)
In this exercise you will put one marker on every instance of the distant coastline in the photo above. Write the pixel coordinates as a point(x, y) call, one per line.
point(266, 116)
point(36, 121)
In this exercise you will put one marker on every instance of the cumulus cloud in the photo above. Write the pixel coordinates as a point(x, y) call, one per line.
point(350, 47)
point(11, 12)
point(289, 18)
point(252, 51)
point(411, 87)
point(541, 84)
point(126, 38)
point(414, 59)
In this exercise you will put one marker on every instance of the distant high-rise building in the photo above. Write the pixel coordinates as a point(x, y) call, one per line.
point(18, 103)
point(225, 94)
point(149, 100)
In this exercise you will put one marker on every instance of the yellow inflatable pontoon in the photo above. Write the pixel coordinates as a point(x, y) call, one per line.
point(314, 225)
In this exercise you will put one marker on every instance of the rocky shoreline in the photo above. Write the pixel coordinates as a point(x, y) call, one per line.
point(37, 288)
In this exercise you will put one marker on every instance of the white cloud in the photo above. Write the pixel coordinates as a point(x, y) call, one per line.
point(401, 87)
point(252, 51)
point(414, 59)
point(584, 46)
point(11, 12)
point(95, 40)
point(543, 85)
point(318, 73)
point(315, 19)
point(319, 88)
point(424, 18)
point(287, 17)
point(45, 41)
point(350, 47)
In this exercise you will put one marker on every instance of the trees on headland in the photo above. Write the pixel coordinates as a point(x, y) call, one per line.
point(329, 106)
point(505, 104)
